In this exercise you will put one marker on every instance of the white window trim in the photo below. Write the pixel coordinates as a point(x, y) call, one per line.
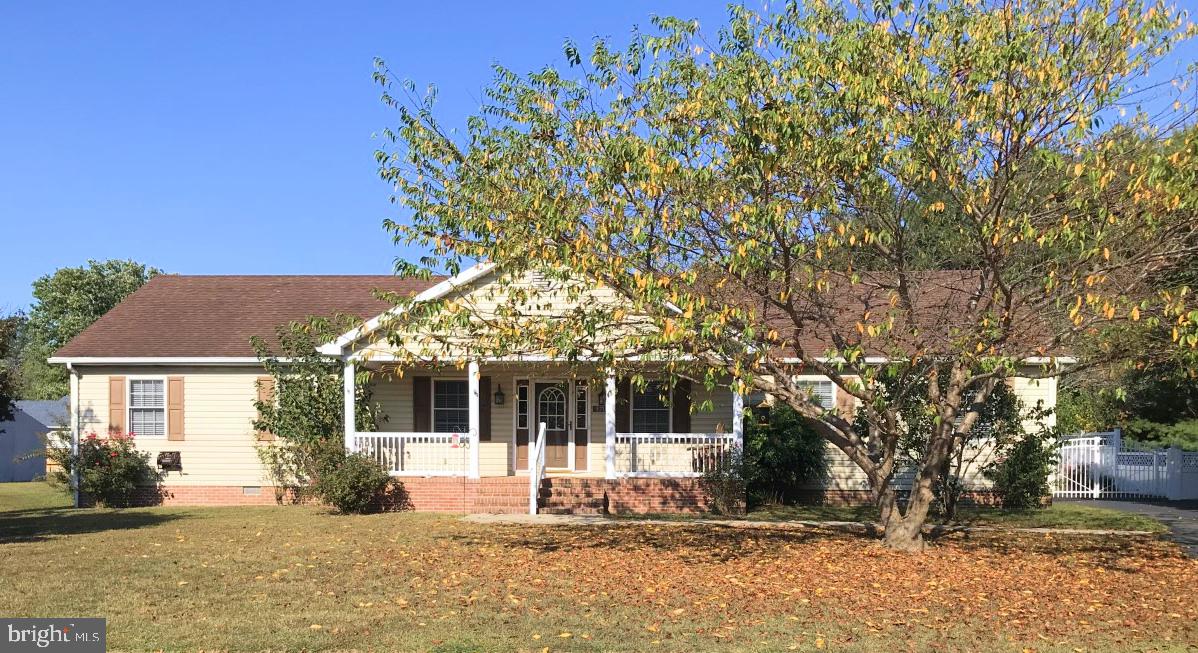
point(632, 412)
point(821, 378)
point(432, 403)
point(166, 402)
point(585, 415)
point(516, 419)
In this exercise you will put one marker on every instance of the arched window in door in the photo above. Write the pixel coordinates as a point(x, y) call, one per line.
point(551, 408)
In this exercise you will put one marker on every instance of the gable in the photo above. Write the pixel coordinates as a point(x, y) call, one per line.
point(541, 301)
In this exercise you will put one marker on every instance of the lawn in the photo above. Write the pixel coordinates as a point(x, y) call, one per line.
point(245, 579)
point(1061, 514)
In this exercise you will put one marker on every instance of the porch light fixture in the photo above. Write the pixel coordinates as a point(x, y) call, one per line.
point(498, 395)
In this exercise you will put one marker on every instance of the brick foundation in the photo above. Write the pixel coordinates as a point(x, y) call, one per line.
point(506, 495)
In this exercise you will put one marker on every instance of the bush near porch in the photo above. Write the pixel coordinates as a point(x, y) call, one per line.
point(255, 578)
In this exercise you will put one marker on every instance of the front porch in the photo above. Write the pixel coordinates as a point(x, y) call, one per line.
point(481, 421)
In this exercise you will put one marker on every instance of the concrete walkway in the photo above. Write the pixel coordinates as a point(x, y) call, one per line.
point(1180, 516)
point(848, 526)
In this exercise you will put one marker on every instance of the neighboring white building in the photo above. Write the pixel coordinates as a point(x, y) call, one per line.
point(24, 434)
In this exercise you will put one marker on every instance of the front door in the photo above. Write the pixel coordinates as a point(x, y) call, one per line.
point(550, 405)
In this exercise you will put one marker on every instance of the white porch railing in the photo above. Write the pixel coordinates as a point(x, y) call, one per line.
point(417, 454)
point(536, 469)
point(676, 455)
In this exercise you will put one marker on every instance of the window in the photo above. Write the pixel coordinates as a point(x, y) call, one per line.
point(821, 391)
point(650, 413)
point(581, 410)
point(451, 407)
point(522, 405)
point(551, 408)
point(147, 407)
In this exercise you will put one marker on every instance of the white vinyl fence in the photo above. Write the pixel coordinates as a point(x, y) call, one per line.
point(1101, 466)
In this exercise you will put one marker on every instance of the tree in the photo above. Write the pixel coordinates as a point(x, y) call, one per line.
point(756, 205)
point(10, 328)
point(997, 430)
point(65, 303)
point(304, 411)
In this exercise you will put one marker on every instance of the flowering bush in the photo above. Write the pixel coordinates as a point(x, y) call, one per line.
point(110, 469)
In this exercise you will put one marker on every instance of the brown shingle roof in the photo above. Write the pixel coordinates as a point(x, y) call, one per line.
point(215, 316)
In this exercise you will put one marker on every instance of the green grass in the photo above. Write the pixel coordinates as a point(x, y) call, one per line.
point(37, 495)
point(1067, 515)
point(1058, 515)
point(300, 578)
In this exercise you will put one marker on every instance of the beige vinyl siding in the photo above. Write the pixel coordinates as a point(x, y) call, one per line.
point(219, 444)
point(486, 296)
point(1037, 391)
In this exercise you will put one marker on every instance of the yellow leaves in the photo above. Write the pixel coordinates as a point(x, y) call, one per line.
point(1078, 169)
point(932, 175)
point(1135, 314)
point(1106, 253)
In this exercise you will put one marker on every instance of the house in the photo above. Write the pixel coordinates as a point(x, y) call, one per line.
point(24, 435)
point(173, 363)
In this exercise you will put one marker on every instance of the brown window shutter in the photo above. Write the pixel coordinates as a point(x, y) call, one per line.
point(266, 395)
point(484, 408)
point(174, 408)
point(680, 404)
point(422, 400)
point(624, 406)
point(116, 404)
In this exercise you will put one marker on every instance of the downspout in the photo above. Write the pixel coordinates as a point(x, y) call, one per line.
point(74, 417)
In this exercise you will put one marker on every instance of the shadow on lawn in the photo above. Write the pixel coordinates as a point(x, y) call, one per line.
point(35, 525)
point(717, 543)
point(710, 542)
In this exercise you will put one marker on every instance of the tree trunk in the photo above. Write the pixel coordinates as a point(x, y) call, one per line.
point(905, 532)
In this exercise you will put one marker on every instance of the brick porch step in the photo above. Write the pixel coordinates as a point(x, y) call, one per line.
point(570, 511)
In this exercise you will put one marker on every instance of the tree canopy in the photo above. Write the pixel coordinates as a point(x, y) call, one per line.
point(10, 327)
point(65, 303)
point(801, 191)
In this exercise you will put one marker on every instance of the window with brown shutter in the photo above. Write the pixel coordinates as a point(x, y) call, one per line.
point(623, 404)
point(422, 404)
point(174, 408)
point(484, 409)
point(266, 395)
point(116, 405)
point(680, 404)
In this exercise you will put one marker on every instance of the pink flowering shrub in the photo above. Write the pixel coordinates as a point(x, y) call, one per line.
point(110, 469)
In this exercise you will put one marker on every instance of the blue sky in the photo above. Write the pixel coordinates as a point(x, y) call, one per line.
point(237, 137)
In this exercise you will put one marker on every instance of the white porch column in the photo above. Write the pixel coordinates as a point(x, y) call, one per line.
point(348, 380)
point(74, 417)
point(738, 421)
point(609, 442)
point(472, 382)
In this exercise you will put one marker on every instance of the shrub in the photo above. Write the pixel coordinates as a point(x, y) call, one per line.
point(356, 485)
point(294, 465)
point(110, 469)
point(1021, 477)
point(724, 483)
point(783, 457)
